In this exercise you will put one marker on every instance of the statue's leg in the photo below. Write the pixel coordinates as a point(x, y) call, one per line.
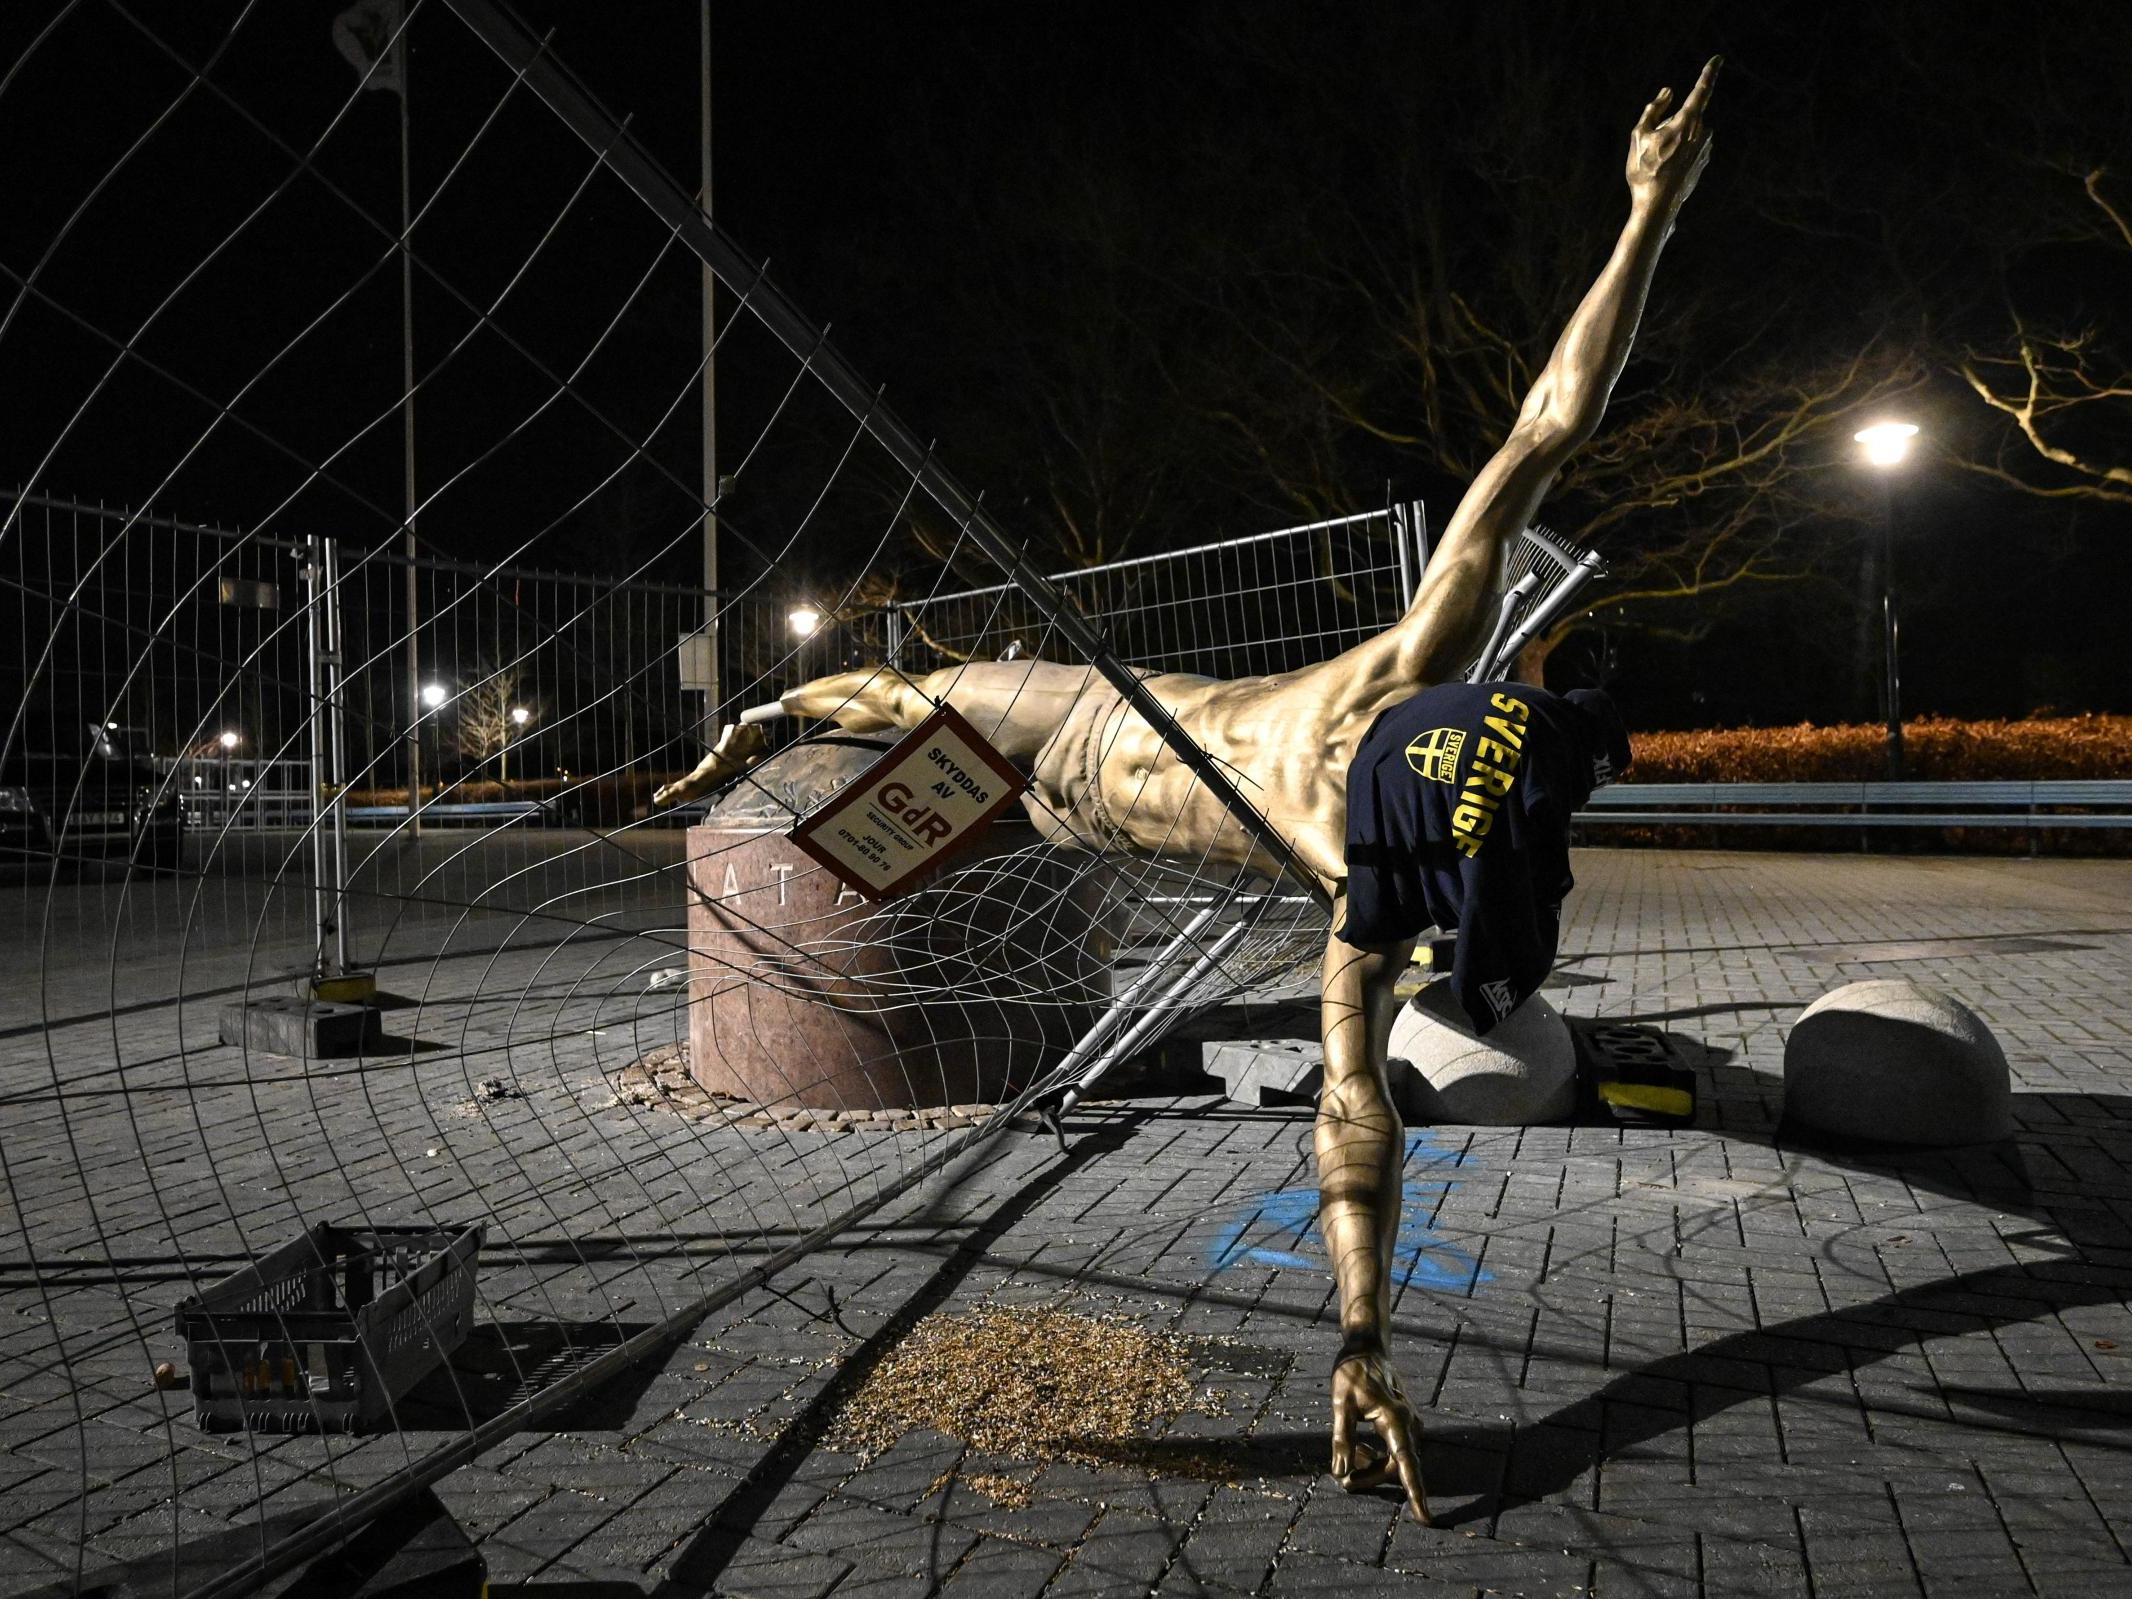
point(1017, 705)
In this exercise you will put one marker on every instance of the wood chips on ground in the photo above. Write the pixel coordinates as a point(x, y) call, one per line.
point(1031, 1384)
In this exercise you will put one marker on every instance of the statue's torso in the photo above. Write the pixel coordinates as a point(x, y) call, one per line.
point(1108, 779)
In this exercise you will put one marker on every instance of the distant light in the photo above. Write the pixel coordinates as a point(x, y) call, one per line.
point(113, 726)
point(1886, 443)
point(804, 619)
point(244, 782)
point(229, 739)
point(520, 715)
point(435, 694)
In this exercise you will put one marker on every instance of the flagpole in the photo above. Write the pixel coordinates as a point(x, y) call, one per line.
point(407, 451)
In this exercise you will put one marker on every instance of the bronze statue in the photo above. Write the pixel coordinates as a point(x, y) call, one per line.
point(1102, 778)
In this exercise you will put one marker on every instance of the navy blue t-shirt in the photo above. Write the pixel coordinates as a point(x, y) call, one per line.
point(1458, 811)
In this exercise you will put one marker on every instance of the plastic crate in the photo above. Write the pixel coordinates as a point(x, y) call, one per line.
point(327, 1332)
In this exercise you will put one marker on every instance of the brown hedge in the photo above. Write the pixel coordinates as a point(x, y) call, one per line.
point(1935, 749)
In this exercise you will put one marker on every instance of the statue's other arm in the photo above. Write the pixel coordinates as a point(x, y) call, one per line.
point(1360, 1148)
point(1448, 621)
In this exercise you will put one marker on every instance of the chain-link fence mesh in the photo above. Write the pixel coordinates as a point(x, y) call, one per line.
point(243, 759)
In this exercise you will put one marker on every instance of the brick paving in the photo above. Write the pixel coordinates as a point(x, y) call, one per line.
point(1693, 1361)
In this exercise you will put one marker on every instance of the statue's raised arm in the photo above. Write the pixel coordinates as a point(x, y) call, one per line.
point(1447, 623)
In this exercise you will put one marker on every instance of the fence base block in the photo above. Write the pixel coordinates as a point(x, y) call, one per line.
point(306, 1028)
point(1270, 1072)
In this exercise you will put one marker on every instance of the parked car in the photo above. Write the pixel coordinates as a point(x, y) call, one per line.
point(87, 796)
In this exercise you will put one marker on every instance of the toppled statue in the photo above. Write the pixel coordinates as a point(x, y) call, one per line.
point(1488, 855)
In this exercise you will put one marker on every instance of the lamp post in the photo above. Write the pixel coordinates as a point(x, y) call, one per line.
point(434, 697)
point(803, 619)
point(519, 717)
point(1887, 446)
point(227, 741)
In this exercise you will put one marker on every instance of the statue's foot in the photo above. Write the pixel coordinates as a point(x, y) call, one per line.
point(739, 748)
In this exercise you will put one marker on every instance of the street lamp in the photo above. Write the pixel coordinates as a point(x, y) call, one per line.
point(1887, 443)
point(1887, 446)
point(435, 694)
point(804, 619)
point(229, 739)
point(519, 717)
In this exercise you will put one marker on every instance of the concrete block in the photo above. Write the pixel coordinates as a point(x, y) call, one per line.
point(1277, 1071)
point(307, 1029)
point(1892, 1061)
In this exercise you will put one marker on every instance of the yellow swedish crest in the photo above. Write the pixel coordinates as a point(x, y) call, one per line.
point(1435, 754)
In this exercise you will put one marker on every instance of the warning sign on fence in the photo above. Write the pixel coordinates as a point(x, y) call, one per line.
point(926, 800)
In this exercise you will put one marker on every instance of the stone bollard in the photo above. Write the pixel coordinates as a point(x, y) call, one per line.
point(1522, 1074)
point(1890, 1061)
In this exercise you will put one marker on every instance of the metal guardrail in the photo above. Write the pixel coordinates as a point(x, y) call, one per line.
point(2039, 804)
point(466, 811)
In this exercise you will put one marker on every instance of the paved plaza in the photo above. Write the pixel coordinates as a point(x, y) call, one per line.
point(1650, 1361)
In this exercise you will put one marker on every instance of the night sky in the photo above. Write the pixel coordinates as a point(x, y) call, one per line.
point(1141, 270)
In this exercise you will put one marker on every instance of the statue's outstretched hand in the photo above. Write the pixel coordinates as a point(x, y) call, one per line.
point(1365, 1389)
point(1666, 153)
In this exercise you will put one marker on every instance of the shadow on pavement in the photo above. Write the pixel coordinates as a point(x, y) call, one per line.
point(1750, 1368)
point(731, 1525)
point(504, 1363)
point(1548, 1457)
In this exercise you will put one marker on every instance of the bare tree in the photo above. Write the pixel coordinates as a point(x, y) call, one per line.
point(2068, 394)
point(1349, 278)
point(1400, 323)
point(482, 724)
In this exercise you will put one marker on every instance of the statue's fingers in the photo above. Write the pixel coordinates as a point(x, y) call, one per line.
point(1699, 96)
point(1655, 110)
point(1371, 1469)
point(1410, 1480)
point(1343, 1440)
point(1395, 1422)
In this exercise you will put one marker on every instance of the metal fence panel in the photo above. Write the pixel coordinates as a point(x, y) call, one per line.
point(192, 671)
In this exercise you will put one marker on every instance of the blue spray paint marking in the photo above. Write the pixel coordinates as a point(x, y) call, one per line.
point(1290, 1216)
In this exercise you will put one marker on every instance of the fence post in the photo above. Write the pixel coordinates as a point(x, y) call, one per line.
point(1400, 552)
point(336, 773)
point(329, 849)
